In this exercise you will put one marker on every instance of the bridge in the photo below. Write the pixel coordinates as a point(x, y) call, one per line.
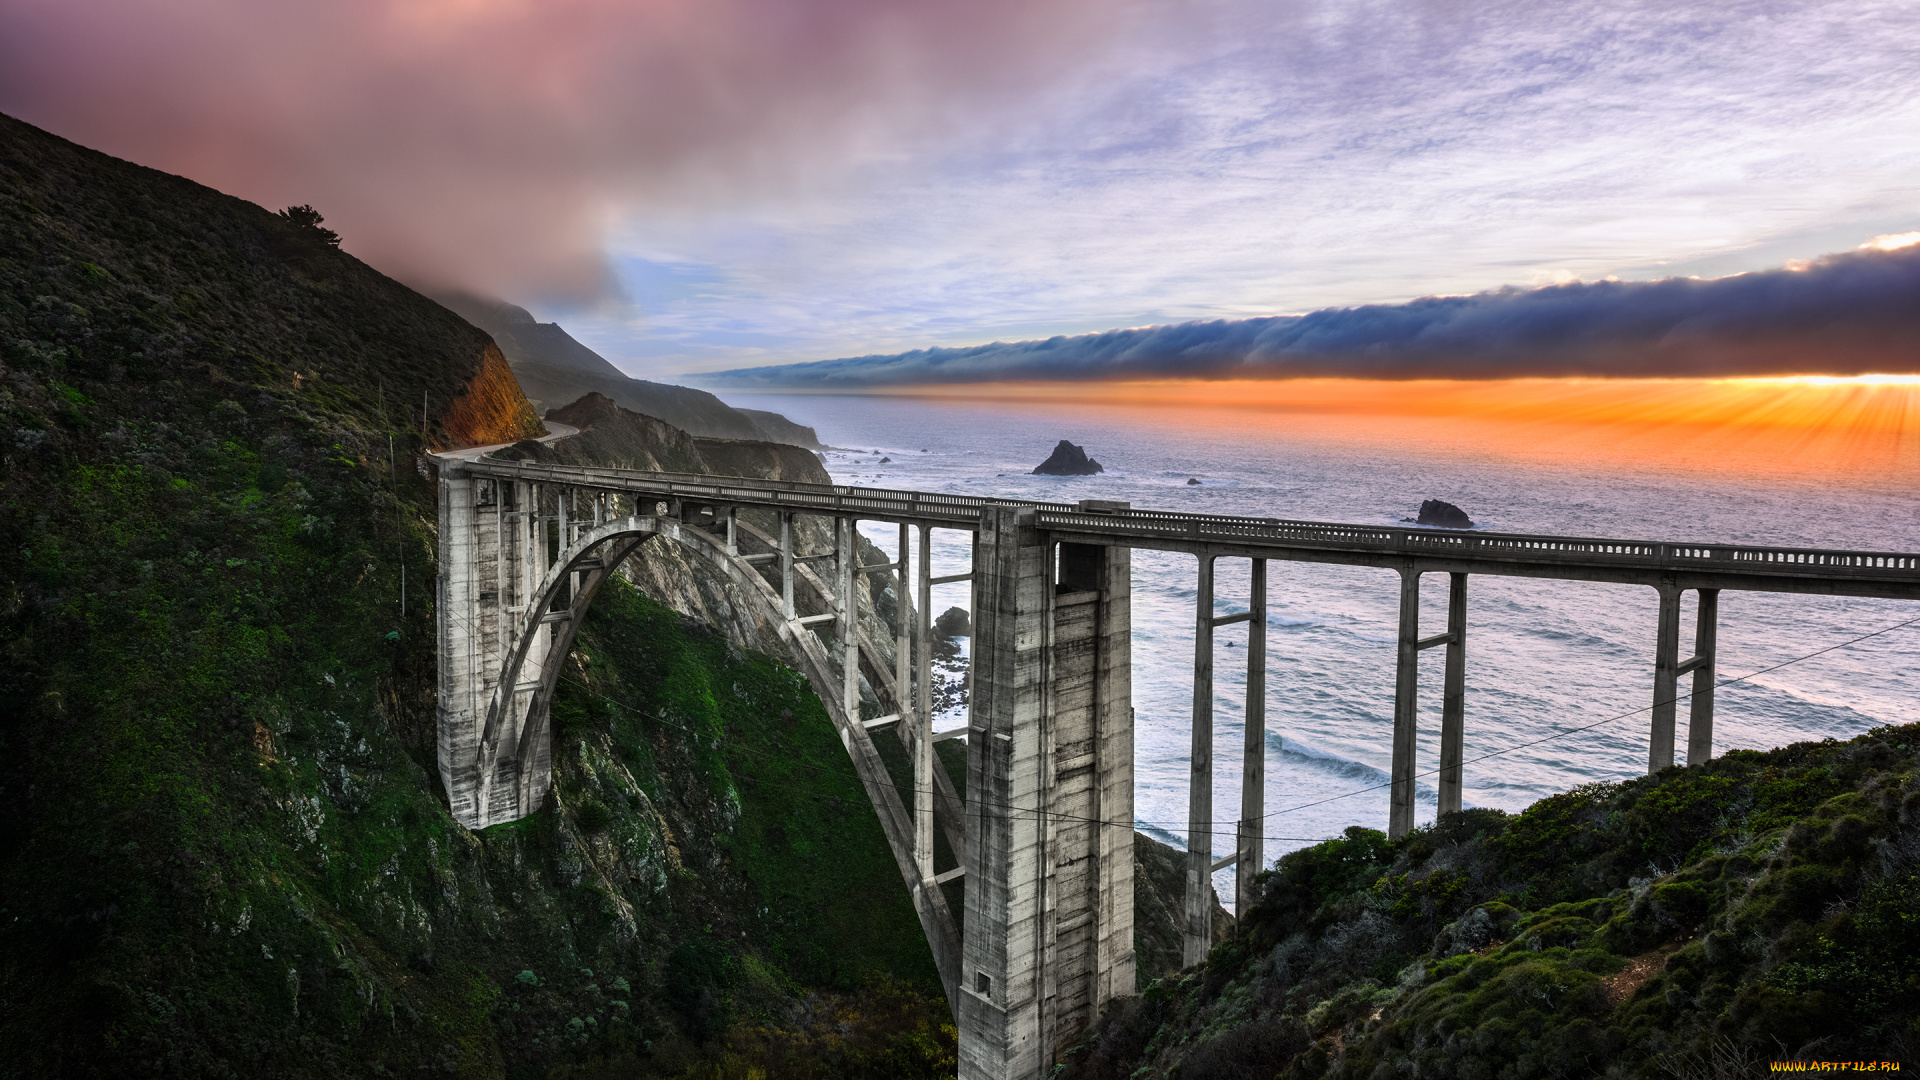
point(1043, 837)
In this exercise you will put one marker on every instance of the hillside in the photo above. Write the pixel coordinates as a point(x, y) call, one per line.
point(1700, 922)
point(223, 850)
point(555, 369)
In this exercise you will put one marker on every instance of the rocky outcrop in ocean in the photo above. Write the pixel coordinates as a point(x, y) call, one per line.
point(1443, 514)
point(1068, 460)
point(953, 623)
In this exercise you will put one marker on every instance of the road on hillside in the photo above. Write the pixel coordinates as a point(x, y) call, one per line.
point(555, 429)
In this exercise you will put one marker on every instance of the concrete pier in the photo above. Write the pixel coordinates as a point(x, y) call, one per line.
point(1199, 906)
point(1667, 669)
point(1049, 910)
point(1250, 841)
point(1700, 710)
point(1406, 700)
point(1453, 700)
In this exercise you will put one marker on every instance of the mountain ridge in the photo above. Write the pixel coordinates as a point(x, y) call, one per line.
point(556, 369)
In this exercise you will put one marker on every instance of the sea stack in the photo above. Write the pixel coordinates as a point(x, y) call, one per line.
point(1443, 514)
point(1068, 460)
point(953, 623)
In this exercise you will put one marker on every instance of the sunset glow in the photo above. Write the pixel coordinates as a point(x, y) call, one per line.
point(1863, 430)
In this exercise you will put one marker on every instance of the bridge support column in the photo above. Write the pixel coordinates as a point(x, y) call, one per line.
point(488, 547)
point(1406, 708)
point(923, 760)
point(1700, 714)
point(1199, 934)
point(1406, 701)
point(786, 565)
point(1049, 909)
point(913, 719)
point(847, 604)
point(1250, 850)
point(1453, 707)
point(1666, 678)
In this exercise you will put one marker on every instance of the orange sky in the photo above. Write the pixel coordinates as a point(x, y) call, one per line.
point(1862, 431)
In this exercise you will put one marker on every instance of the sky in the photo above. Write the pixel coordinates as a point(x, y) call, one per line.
point(699, 185)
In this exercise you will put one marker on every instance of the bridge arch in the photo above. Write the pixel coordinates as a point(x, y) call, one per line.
point(511, 605)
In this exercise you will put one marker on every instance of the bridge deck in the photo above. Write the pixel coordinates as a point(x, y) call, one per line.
point(1641, 562)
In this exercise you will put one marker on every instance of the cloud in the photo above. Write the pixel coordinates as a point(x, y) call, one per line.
point(1289, 156)
point(1840, 315)
point(494, 143)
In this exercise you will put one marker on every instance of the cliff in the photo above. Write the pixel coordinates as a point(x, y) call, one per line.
point(490, 408)
point(778, 428)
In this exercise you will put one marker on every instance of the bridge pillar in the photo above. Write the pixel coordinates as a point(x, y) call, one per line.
point(1667, 669)
point(1199, 933)
point(1700, 715)
point(1406, 701)
point(1250, 849)
point(1049, 909)
point(1406, 707)
point(1248, 839)
point(488, 546)
point(922, 685)
point(847, 621)
point(1666, 678)
point(1453, 700)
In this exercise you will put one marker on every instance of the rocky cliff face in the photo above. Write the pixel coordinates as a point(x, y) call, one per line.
point(777, 428)
point(490, 408)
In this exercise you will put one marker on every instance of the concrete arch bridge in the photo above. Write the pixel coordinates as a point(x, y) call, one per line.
point(1044, 834)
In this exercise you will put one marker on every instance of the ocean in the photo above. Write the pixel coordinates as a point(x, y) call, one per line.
point(1544, 657)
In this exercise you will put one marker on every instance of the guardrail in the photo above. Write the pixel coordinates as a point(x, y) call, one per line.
point(957, 511)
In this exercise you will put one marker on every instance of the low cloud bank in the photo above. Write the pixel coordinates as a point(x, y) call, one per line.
point(1847, 314)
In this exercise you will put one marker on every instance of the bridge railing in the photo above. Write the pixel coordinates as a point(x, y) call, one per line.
point(1148, 524)
point(961, 511)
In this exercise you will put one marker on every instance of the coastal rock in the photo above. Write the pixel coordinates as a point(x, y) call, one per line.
point(1068, 460)
point(1443, 514)
point(953, 623)
point(1193, 481)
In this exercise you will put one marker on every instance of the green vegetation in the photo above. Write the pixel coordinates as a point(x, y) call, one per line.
point(1697, 922)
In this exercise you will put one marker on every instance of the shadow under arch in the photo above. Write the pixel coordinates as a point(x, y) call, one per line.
point(516, 739)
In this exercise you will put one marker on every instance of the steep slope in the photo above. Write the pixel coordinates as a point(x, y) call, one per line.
point(778, 428)
point(223, 850)
point(1699, 922)
point(555, 369)
point(524, 340)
